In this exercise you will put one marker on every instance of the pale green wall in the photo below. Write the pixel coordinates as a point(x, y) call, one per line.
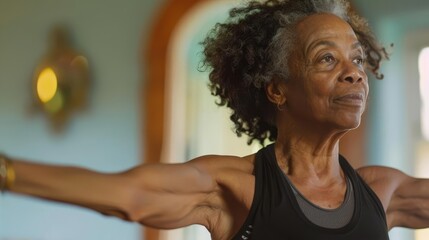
point(105, 137)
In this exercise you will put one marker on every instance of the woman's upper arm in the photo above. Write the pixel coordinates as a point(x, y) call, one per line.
point(410, 203)
point(405, 199)
point(172, 195)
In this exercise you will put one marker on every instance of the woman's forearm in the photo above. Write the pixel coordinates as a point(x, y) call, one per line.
point(105, 193)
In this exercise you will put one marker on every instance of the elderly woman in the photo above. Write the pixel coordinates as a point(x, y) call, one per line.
point(292, 72)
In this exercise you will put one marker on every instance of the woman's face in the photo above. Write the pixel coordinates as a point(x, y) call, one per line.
point(328, 84)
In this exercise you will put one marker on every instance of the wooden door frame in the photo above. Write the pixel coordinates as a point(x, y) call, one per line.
point(155, 60)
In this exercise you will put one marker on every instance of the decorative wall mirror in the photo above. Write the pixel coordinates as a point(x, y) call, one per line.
point(61, 81)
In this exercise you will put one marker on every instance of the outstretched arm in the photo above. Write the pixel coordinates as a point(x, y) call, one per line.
point(163, 196)
point(405, 199)
point(410, 203)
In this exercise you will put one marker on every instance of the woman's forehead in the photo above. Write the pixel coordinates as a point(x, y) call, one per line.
point(325, 28)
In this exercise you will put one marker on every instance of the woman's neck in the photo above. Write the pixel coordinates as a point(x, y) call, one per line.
point(308, 155)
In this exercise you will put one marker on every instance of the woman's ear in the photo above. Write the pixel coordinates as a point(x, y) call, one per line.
point(276, 92)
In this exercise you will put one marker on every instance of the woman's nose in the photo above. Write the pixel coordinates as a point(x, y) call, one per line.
point(353, 73)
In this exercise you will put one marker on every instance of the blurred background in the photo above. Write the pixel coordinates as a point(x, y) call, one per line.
point(109, 84)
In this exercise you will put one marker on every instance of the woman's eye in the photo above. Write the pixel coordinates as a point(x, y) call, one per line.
point(359, 61)
point(328, 59)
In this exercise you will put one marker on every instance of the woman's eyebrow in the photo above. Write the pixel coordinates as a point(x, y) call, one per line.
point(319, 43)
point(328, 43)
point(357, 45)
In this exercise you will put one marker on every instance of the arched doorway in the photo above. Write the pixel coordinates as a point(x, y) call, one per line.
point(173, 26)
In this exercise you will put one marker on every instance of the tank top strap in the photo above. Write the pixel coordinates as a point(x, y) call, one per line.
point(269, 181)
point(368, 193)
point(265, 166)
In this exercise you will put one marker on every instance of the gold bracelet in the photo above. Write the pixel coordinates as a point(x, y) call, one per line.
point(3, 173)
point(7, 174)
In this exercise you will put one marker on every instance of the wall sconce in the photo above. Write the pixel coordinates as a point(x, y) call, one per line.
point(61, 81)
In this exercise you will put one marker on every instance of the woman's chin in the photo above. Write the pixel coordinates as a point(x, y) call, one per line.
point(350, 124)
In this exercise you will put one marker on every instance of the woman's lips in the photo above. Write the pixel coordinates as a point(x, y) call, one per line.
point(352, 99)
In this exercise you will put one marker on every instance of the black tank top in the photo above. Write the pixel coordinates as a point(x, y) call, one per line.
point(276, 215)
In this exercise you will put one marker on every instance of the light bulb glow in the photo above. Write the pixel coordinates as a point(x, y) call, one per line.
point(47, 84)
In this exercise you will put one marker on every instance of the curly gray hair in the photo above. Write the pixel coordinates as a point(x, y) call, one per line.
point(253, 47)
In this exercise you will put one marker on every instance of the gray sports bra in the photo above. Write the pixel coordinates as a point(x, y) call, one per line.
point(327, 218)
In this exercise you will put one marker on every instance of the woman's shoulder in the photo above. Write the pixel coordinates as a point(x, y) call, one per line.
point(384, 181)
point(224, 163)
point(372, 174)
